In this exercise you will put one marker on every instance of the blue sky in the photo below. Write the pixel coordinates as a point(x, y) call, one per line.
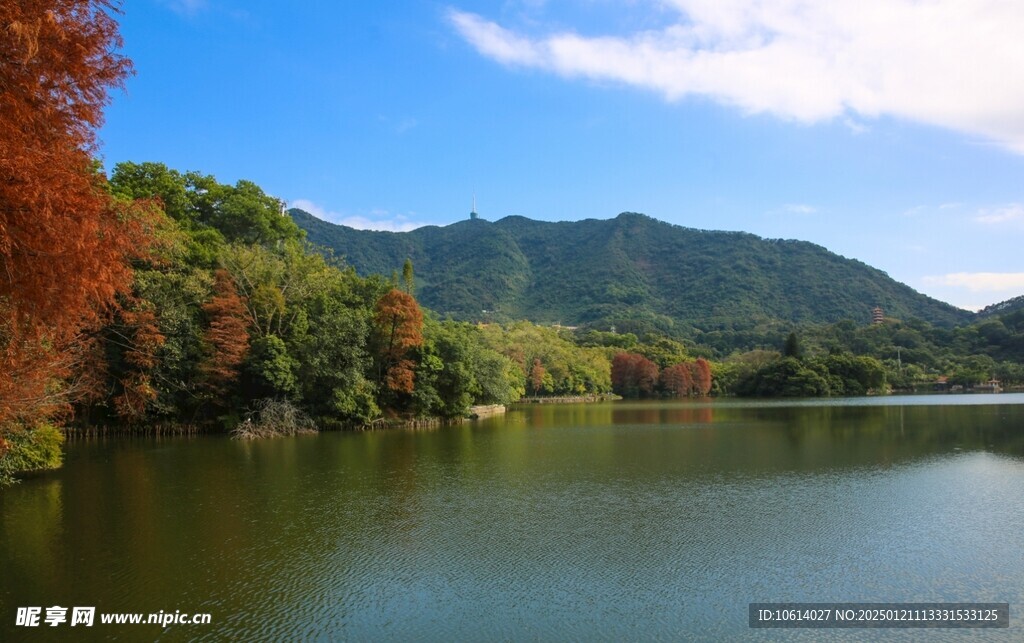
point(889, 131)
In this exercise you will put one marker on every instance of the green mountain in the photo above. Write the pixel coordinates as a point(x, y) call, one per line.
point(1002, 308)
point(627, 270)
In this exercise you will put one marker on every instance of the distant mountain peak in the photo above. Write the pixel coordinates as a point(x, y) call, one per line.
point(628, 269)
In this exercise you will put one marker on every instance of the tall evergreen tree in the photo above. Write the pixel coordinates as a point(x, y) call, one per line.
point(792, 347)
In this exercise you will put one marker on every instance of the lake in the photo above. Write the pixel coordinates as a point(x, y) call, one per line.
point(612, 521)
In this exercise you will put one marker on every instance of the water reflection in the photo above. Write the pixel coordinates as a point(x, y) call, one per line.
point(611, 521)
point(772, 437)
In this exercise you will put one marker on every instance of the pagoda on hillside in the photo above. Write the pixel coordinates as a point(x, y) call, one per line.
point(877, 315)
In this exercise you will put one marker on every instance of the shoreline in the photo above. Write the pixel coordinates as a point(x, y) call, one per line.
point(570, 399)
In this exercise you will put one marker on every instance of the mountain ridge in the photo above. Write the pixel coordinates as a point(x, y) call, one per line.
point(630, 269)
point(1002, 307)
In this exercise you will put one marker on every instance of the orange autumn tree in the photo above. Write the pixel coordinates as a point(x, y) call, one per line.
point(142, 339)
point(536, 379)
point(65, 243)
point(399, 327)
point(633, 375)
point(701, 372)
point(227, 338)
point(677, 380)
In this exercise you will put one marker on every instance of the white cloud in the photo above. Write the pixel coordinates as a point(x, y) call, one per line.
point(799, 208)
point(981, 281)
point(1013, 212)
point(377, 219)
point(793, 208)
point(956, 64)
point(494, 41)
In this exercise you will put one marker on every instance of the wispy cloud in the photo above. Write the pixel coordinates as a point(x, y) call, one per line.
point(980, 281)
point(405, 125)
point(794, 208)
point(186, 7)
point(799, 208)
point(1011, 213)
point(855, 126)
point(398, 126)
point(376, 219)
point(948, 63)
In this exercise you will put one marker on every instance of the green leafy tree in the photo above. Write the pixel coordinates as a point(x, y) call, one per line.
point(457, 369)
point(333, 352)
point(270, 371)
point(408, 280)
point(211, 213)
point(792, 347)
point(664, 352)
point(786, 377)
point(568, 369)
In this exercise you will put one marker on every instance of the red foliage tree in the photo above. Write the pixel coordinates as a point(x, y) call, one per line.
point(399, 328)
point(227, 338)
point(65, 244)
point(145, 339)
point(537, 373)
point(646, 375)
point(401, 376)
point(633, 375)
point(677, 380)
point(701, 372)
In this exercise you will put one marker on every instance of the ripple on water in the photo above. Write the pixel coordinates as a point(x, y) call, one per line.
point(539, 532)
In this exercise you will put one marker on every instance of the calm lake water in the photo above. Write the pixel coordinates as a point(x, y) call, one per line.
point(616, 521)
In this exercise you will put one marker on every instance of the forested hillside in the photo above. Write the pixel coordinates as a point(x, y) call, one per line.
point(632, 271)
point(1002, 308)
